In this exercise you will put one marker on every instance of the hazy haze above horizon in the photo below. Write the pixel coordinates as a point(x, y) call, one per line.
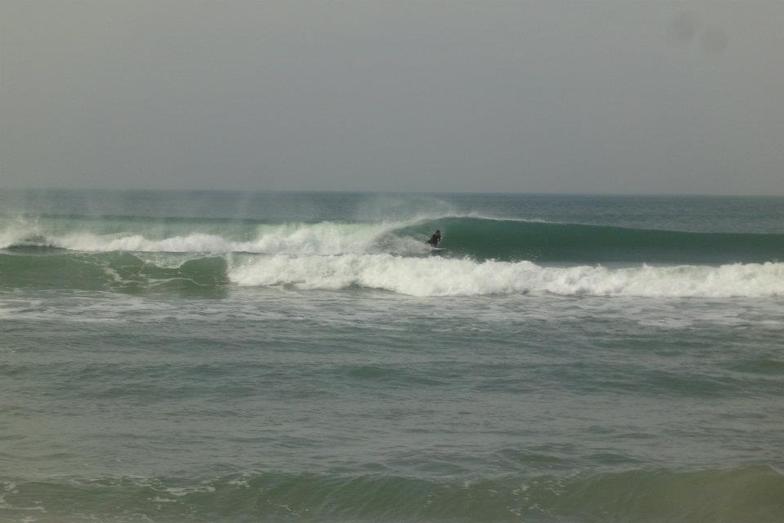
point(594, 97)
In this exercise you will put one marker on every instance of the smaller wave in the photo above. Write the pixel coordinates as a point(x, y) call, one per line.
point(122, 272)
point(436, 276)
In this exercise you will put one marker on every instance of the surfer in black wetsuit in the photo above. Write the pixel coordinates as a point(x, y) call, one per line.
point(435, 239)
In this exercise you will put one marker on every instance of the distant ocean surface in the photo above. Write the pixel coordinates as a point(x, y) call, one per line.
point(216, 356)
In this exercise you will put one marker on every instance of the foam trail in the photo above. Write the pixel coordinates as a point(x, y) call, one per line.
point(437, 276)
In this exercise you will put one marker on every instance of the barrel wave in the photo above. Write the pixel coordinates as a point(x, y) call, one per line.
point(480, 256)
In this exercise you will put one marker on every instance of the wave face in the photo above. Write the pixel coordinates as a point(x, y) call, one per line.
point(480, 256)
point(485, 238)
point(740, 494)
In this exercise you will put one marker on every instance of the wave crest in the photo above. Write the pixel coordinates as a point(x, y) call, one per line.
point(294, 238)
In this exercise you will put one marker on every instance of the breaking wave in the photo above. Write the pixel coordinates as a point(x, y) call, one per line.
point(295, 238)
point(481, 256)
point(480, 238)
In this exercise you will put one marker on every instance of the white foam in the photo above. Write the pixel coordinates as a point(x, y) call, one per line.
point(436, 276)
point(298, 238)
point(294, 238)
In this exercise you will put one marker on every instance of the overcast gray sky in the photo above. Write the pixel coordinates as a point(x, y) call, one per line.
point(528, 96)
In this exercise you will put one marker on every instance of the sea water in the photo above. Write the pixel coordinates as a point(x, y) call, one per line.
point(214, 356)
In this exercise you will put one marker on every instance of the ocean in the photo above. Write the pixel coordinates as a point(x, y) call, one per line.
point(222, 356)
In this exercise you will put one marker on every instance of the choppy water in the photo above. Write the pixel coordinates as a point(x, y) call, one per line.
point(280, 357)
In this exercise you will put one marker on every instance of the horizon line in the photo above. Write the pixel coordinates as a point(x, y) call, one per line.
point(361, 191)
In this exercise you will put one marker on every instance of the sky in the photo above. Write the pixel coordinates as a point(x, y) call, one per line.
point(617, 97)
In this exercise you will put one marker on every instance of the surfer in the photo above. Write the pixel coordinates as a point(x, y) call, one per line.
point(435, 239)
